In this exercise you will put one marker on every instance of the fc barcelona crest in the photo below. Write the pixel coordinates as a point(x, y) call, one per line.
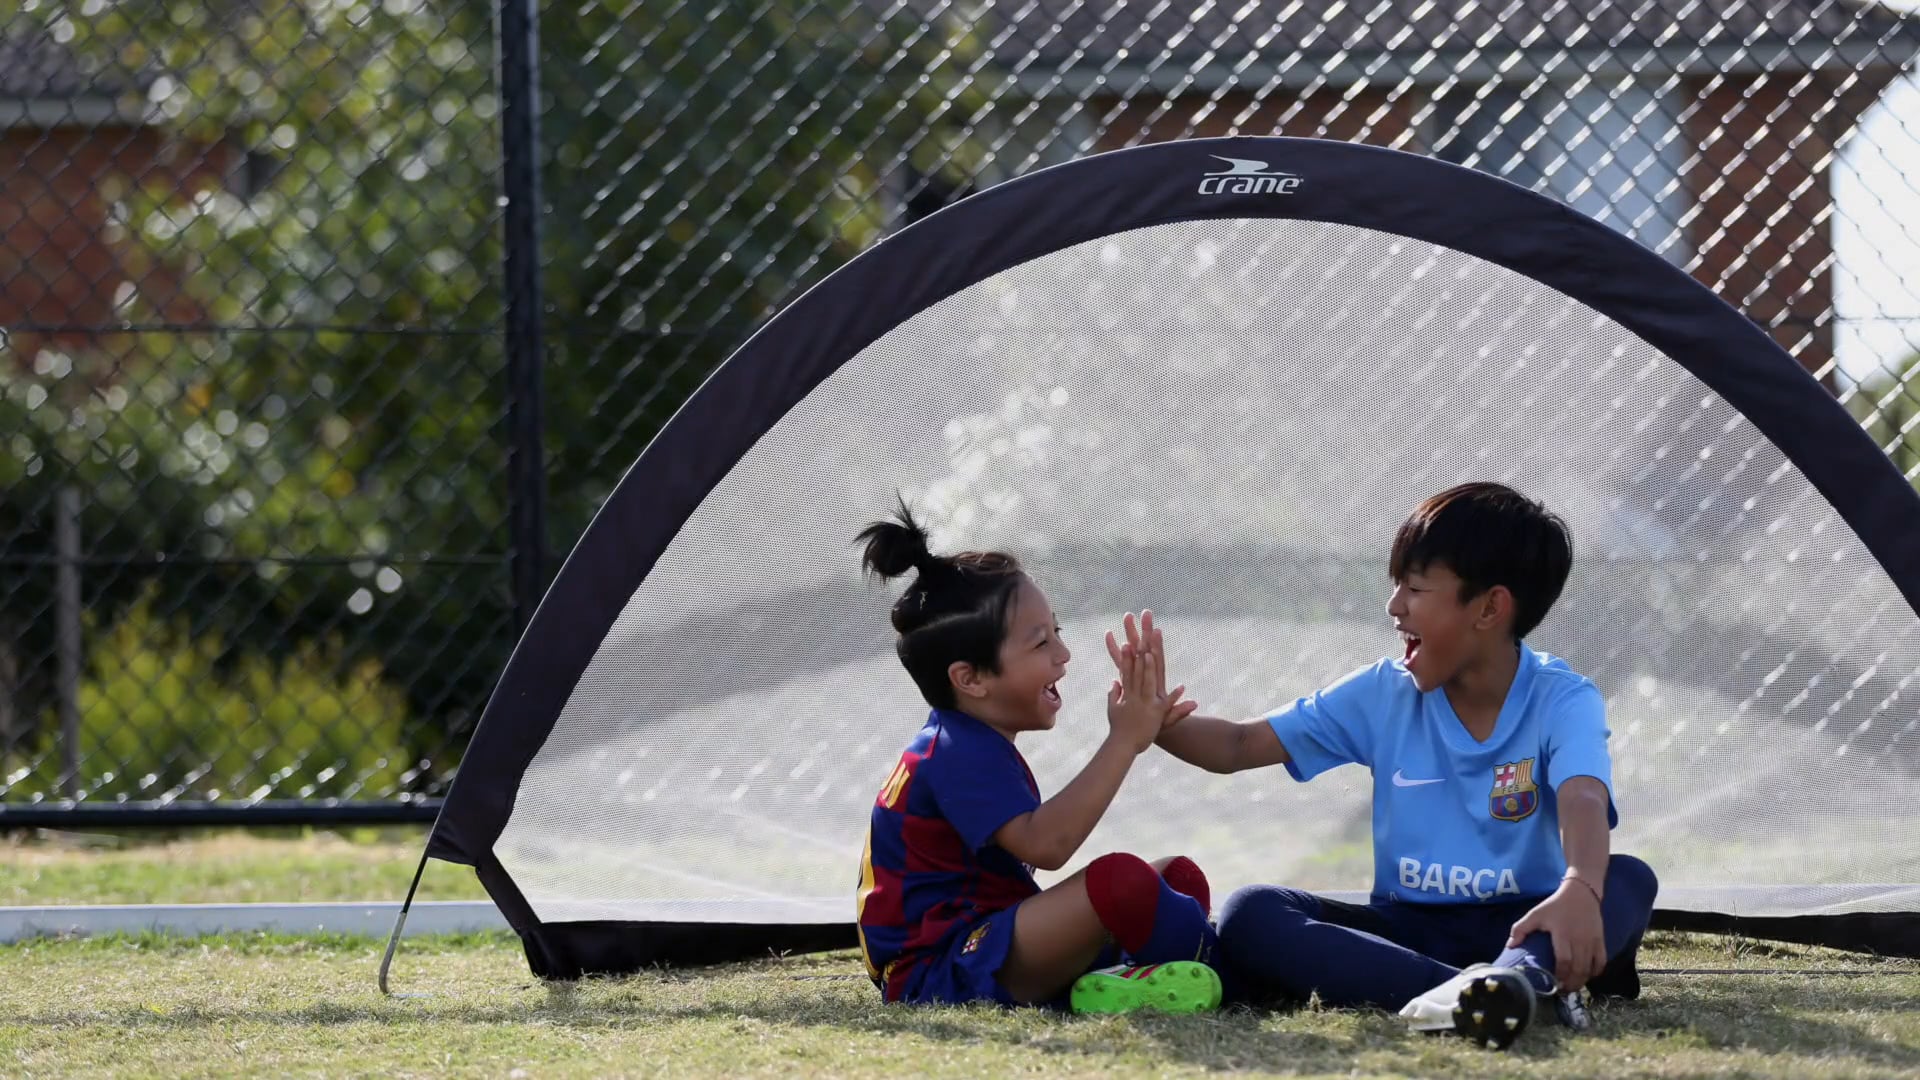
point(973, 939)
point(1514, 793)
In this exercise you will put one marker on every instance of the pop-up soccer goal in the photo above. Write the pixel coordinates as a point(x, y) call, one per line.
point(1209, 378)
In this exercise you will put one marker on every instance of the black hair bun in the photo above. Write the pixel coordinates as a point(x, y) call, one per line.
point(893, 547)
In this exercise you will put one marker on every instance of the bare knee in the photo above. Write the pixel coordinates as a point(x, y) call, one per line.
point(1056, 936)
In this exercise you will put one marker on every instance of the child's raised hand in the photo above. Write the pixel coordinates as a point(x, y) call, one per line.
point(1145, 637)
point(1138, 706)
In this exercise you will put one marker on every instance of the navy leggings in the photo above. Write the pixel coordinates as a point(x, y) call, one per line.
point(1285, 944)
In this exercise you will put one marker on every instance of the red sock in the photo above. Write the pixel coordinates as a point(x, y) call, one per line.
point(1183, 875)
point(1125, 891)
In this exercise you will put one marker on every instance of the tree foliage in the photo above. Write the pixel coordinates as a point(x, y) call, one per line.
point(1889, 406)
point(322, 462)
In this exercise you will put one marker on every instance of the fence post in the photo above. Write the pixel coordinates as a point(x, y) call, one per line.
point(67, 641)
point(518, 28)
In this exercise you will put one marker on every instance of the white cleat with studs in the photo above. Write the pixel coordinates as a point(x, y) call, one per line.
point(1490, 1005)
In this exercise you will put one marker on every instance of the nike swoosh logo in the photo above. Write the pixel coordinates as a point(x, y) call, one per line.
point(1402, 781)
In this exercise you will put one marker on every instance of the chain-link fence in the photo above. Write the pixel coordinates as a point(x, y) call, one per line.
point(324, 321)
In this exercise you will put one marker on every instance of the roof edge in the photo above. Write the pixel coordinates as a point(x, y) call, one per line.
point(1306, 72)
point(84, 110)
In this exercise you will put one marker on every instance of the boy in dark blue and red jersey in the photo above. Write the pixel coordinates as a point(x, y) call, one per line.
point(920, 880)
point(948, 909)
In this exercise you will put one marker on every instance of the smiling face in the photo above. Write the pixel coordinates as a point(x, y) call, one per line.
point(1024, 695)
point(1442, 633)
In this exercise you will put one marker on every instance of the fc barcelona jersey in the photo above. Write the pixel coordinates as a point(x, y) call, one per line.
point(1457, 821)
point(931, 870)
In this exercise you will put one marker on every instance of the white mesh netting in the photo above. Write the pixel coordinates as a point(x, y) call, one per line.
point(1224, 422)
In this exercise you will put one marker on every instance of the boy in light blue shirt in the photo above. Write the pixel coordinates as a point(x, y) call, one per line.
point(1493, 883)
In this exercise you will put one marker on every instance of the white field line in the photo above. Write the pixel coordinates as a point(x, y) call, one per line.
point(372, 919)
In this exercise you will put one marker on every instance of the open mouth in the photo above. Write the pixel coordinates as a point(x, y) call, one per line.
point(1413, 645)
point(1051, 694)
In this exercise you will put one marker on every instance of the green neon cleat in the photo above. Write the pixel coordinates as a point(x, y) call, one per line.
point(1183, 986)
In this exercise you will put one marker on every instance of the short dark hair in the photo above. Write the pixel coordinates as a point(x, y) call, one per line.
point(1489, 534)
point(955, 611)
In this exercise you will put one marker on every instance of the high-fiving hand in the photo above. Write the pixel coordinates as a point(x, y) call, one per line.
point(1139, 706)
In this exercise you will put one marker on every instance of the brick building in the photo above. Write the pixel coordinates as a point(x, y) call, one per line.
point(1706, 130)
point(74, 140)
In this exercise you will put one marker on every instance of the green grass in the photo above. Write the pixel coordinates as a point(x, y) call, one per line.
point(224, 867)
point(261, 1005)
point(251, 1005)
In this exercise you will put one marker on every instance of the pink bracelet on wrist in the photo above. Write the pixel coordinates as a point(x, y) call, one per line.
point(1571, 876)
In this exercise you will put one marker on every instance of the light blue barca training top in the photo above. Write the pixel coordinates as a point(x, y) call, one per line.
point(1454, 820)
